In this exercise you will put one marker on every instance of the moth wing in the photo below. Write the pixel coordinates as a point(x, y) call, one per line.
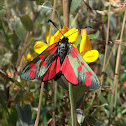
point(82, 71)
point(52, 70)
point(38, 66)
point(68, 71)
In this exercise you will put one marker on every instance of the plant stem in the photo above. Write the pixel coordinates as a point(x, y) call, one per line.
point(39, 105)
point(106, 47)
point(23, 50)
point(114, 91)
point(51, 25)
point(66, 13)
point(55, 99)
point(117, 60)
point(71, 104)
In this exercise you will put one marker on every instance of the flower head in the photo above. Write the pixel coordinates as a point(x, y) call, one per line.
point(85, 47)
point(86, 51)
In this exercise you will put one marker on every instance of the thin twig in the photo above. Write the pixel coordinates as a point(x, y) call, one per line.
point(72, 104)
point(106, 47)
point(39, 105)
point(22, 50)
point(118, 42)
point(66, 13)
point(118, 56)
point(113, 98)
point(75, 18)
point(55, 99)
point(109, 56)
point(51, 25)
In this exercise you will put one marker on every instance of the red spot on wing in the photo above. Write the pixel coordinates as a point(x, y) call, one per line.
point(41, 57)
point(44, 63)
point(32, 66)
point(88, 74)
point(53, 51)
point(88, 81)
point(68, 72)
point(52, 70)
point(73, 54)
point(79, 68)
point(75, 50)
point(32, 74)
point(82, 63)
point(52, 46)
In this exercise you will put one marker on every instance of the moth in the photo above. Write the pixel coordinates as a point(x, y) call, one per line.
point(61, 58)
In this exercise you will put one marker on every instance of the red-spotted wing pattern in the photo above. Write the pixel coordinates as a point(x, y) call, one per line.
point(41, 64)
point(52, 70)
point(75, 70)
point(61, 57)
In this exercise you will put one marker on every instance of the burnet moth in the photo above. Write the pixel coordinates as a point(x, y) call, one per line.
point(63, 59)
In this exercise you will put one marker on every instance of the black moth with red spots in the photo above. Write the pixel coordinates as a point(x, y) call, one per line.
point(64, 59)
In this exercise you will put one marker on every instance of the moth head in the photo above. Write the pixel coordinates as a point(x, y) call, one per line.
point(65, 40)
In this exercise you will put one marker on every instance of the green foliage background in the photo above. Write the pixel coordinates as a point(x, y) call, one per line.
point(22, 23)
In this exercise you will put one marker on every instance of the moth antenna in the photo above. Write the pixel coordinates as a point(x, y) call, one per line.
point(55, 25)
point(80, 30)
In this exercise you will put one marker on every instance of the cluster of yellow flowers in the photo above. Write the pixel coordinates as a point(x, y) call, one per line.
point(85, 47)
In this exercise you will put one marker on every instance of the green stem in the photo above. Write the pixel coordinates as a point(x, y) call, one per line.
point(71, 104)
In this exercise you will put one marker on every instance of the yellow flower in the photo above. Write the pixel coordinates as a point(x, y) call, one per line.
point(51, 39)
point(85, 47)
point(72, 37)
point(39, 47)
point(29, 57)
point(85, 44)
point(86, 51)
point(91, 56)
point(58, 34)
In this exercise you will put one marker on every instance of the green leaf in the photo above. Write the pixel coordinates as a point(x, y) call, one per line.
point(78, 41)
point(27, 22)
point(24, 115)
point(63, 82)
point(79, 91)
point(46, 8)
point(2, 9)
point(74, 5)
point(21, 5)
point(20, 30)
point(91, 121)
point(94, 36)
point(14, 57)
point(12, 116)
point(102, 99)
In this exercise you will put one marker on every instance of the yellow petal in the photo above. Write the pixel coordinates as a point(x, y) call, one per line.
point(51, 39)
point(91, 56)
point(73, 35)
point(83, 32)
point(29, 56)
point(85, 45)
point(59, 34)
point(39, 47)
